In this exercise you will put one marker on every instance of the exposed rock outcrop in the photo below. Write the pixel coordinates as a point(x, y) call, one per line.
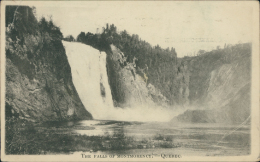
point(130, 88)
point(38, 76)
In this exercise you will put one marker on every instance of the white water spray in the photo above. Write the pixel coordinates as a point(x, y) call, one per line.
point(88, 68)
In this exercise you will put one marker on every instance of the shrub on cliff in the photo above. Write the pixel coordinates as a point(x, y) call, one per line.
point(34, 43)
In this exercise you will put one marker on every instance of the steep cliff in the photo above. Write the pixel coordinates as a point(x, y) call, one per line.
point(219, 83)
point(157, 66)
point(38, 76)
point(213, 86)
point(130, 88)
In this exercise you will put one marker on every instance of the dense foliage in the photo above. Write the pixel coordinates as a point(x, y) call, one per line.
point(31, 42)
point(131, 45)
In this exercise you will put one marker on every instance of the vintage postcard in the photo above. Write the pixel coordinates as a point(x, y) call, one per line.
point(129, 81)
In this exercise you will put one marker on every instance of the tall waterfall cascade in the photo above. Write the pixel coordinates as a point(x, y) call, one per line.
point(88, 68)
point(89, 75)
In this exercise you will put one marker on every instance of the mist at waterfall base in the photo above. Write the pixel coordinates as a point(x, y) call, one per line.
point(89, 74)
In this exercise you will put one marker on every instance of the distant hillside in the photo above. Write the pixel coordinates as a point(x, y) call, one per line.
point(220, 81)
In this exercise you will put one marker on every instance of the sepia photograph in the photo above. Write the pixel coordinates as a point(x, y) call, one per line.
point(129, 80)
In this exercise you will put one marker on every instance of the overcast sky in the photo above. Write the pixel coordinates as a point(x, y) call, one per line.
point(186, 26)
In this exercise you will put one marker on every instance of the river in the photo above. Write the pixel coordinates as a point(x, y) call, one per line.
point(161, 137)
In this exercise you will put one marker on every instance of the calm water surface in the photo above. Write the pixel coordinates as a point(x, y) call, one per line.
point(191, 139)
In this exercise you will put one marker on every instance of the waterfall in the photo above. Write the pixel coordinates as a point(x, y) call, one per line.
point(89, 75)
point(88, 68)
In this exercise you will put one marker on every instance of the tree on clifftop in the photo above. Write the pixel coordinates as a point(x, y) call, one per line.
point(69, 38)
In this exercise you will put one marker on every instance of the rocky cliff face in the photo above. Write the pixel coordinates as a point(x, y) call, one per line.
point(128, 86)
point(38, 76)
point(213, 87)
point(219, 83)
